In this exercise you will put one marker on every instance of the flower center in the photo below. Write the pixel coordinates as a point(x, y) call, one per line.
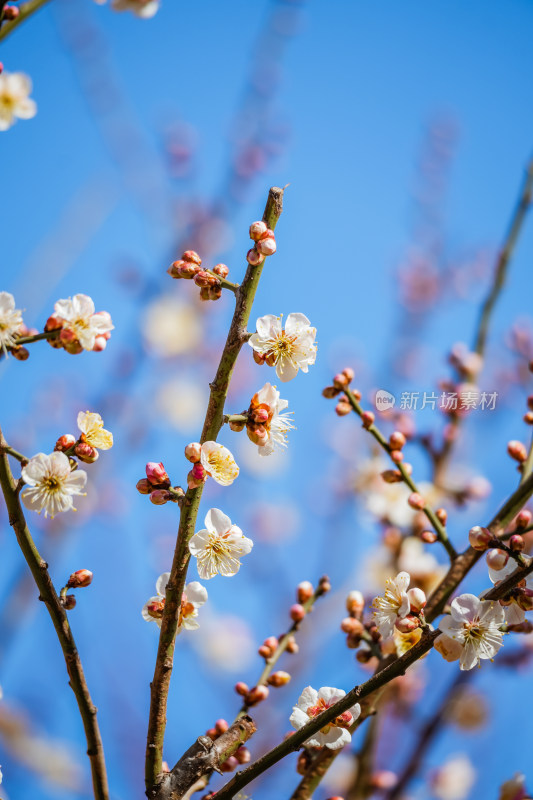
point(52, 484)
point(473, 631)
point(282, 346)
point(155, 609)
point(344, 720)
point(7, 102)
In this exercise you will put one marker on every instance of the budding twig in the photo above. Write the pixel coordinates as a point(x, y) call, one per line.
point(189, 510)
point(25, 10)
point(39, 570)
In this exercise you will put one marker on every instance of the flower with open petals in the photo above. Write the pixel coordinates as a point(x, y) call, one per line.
point(15, 102)
point(219, 463)
point(288, 349)
point(93, 432)
point(78, 316)
point(514, 615)
point(333, 735)
point(51, 484)
point(474, 624)
point(393, 604)
point(10, 319)
point(194, 596)
point(276, 425)
point(219, 546)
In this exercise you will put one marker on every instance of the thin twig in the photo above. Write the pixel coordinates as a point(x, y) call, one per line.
point(39, 570)
point(237, 336)
point(25, 10)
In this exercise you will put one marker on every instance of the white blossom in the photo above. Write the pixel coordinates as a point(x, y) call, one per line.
point(288, 349)
point(474, 625)
point(10, 319)
point(93, 432)
point(52, 484)
point(333, 735)
point(393, 604)
point(219, 546)
point(78, 316)
point(278, 423)
point(454, 780)
point(15, 102)
point(219, 463)
point(141, 8)
point(514, 615)
point(194, 596)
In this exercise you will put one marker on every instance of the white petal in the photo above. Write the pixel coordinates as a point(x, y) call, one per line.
point(198, 543)
point(161, 583)
point(196, 593)
point(36, 469)
point(217, 522)
point(465, 607)
point(469, 657)
point(298, 718)
point(296, 323)
point(286, 370)
point(308, 697)
point(330, 694)
point(268, 327)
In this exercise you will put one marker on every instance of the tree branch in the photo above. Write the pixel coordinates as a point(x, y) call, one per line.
point(25, 10)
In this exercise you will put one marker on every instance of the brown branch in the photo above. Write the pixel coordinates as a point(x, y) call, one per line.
point(237, 336)
point(39, 570)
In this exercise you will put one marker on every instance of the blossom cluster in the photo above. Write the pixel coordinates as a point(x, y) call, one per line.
point(190, 268)
point(266, 423)
point(15, 100)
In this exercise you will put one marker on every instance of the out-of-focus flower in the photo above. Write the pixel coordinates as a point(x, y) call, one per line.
point(182, 402)
point(194, 596)
point(78, 316)
point(392, 605)
point(219, 463)
point(10, 318)
point(454, 779)
point(52, 485)
point(93, 432)
point(226, 642)
point(474, 624)
point(420, 563)
point(171, 327)
point(219, 546)
point(141, 8)
point(468, 710)
point(311, 704)
point(514, 789)
point(288, 349)
point(276, 423)
point(15, 100)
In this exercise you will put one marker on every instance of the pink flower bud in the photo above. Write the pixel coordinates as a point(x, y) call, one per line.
point(517, 450)
point(355, 603)
point(11, 12)
point(243, 755)
point(528, 418)
point(229, 764)
point(342, 408)
point(384, 779)
point(192, 256)
point(497, 559)
point(429, 537)
point(523, 519)
point(417, 599)
point(397, 440)
point(330, 392)
point(80, 579)
point(517, 543)
point(479, 538)
point(157, 474)
point(397, 456)
point(352, 626)
point(261, 415)
point(266, 247)
point(65, 442)
point(221, 726)
point(442, 515)
point(368, 418)
point(86, 453)
point(53, 324)
point(242, 688)
point(212, 733)
point(254, 257)
point(416, 501)
point(203, 279)
point(264, 652)
point(297, 612)
point(278, 679)
point(407, 624)
point(257, 229)
point(304, 591)
point(350, 374)
point(271, 642)
point(292, 645)
point(257, 695)
point(392, 476)
point(194, 483)
point(258, 434)
point(193, 451)
point(100, 344)
point(159, 497)
point(221, 270)
point(324, 586)
point(340, 381)
point(144, 486)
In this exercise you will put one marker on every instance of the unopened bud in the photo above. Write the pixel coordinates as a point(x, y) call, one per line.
point(242, 688)
point(100, 344)
point(203, 279)
point(229, 764)
point(159, 497)
point(65, 442)
point(258, 358)
point(292, 646)
point(342, 408)
point(297, 612)
point(523, 519)
point(221, 726)
point(417, 599)
point(363, 655)
point(479, 538)
point(192, 256)
point(193, 451)
point(497, 559)
point(528, 417)
point(271, 642)
point(304, 591)
point(264, 652)
point(267, 246)
point(397, 456)
point(257, 695)
point(157, 474)
point(352, 626)
point(392, 476)
point(340, 381)
point(68, 602)
point(442, 515)
point(194, 483)
point(11, 12)
point(517, 543)
point(330, 392)
point(429, 537)
point(517, 450)
point(355, 603)
point(20, 353)
point(53, 324)
point(350, 374)
point(258, 229)
point(397, 440)
point(237, 427)
point(324, 585)
point(254, 257)
point(407, 624)
point(144, 486)
point(261, 415)
point(368, 418)
point(80, 579)
point(416, 501)
point(279, 678)
point(243, 755)
point(86, 453)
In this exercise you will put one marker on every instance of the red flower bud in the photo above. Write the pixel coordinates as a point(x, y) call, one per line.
point(80, 579)
point(192, 256)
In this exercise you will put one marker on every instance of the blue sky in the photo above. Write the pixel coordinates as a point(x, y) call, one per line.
point(335, 99)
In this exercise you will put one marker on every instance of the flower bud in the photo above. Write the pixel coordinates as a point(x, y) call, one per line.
point(271, 642)
point(212, 733)
point(203, 279)
point(221, 270)
point(258, 229)
point(192, 257)
point(229, 764)
point(429, 537)
point(297, 612)
point(237, 427)
point(267, 246)
point(257, 695)
point(355, 603)
point(392, 476)
point(86, 453)
point(528, 418)
point(517, 450)
point(100, 344)
point(479, 538)
point(221, 726)
point(442, 515)
point(292, 646)
point(384, 779)
point(243, 755)
point(517, 543)
point(324, 586)
point(159, 497)
point(74, 348)
point(368, 418)
point(397, 440)
point(352, 626)
point(65, 442)
point(264, 652)
point(342, 408)
point(261, 415)
point(194, 483)
point(80, 579)
point(417, 599)
point(258, 434)
point(350, 374)
point(254, 257)
point(53, 324)
point(258, 358)
point(304, 591)
point(157, 474)
point(523, 519)
point(407, 624)
point(497, 559)
point(330, 392)
point(11, 12)
point(242, 688)
point(279, 678)
point(181, 269)
point(397, 456)
point(340, 381)
point(524, 599)
point(20, 353)
point(144, 486)
point(363, 656)
point(416, 501)
point(68, 602)
point(193, 451)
